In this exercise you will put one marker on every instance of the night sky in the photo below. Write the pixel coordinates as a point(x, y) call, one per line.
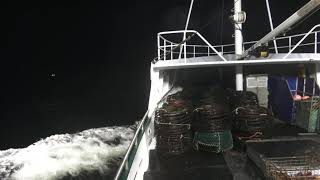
point(69, 65)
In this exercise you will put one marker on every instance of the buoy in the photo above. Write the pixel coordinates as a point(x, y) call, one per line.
point(297, 97)
point(305, 97)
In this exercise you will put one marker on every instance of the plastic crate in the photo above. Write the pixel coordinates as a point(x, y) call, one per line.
point(308, 113)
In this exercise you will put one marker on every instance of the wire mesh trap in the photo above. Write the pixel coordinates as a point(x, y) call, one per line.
point(212, 117)
point(212, 122)
point(248, 116)
point(293, 168)
point(173, 126)
point(252, 118)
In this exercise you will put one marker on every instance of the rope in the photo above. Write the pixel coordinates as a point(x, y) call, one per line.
point(256, 134)
point(173, 124)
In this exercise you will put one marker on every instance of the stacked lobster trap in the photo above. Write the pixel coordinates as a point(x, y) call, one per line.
point(249, 118)
point(204, 125)
point(173, 125)
point(212, 122)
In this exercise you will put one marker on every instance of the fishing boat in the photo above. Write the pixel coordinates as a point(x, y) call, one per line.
point(282, 72)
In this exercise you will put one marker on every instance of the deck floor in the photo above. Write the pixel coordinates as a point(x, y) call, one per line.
point(234, 164)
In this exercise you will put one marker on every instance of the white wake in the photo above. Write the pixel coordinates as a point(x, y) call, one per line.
point(67, 154)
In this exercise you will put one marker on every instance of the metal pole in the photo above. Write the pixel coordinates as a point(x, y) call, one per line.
point(159, 52)
point(165, 50)
point(194, 51)
point(311, 7)
point(289, 43)
point(318, 73)
point(271, 25)
point(238, 46)
point(171, 53)
point(315, 42)
point(185, 32)
point(238, 30)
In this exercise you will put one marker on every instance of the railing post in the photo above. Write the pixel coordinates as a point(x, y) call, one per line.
point(289, 43)
point(159, 52)
point(126, 165)
point(185, 51)
point(171, 54)
point(164, 50)
point(316, 42)
point(208, 51)
point(222, 50)
point(194, 51)
point(136, 143)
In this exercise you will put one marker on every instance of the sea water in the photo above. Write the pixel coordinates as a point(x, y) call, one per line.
point(68, 156)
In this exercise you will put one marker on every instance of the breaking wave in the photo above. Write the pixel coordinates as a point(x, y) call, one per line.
point(93, 152)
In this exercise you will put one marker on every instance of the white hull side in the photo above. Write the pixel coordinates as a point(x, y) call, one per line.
point(141, 160)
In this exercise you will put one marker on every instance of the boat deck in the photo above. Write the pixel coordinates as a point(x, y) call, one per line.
point(189, 165)
point(235, 164)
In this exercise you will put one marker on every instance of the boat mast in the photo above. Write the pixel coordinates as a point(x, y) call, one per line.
point(238, 19)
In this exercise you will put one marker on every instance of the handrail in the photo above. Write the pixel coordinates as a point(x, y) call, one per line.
point(176, 32)
point(220, 45)
point(166, 49)
point(305, 36)
point(251, 42)
point(166, 53)
point(133, 142)
point(174, 44)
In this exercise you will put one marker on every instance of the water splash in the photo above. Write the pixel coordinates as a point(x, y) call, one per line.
point(58, 156)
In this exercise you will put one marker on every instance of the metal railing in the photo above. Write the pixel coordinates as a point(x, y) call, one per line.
point(303, 39)
point(169, 50)
point(125, 166)
point(124, 169)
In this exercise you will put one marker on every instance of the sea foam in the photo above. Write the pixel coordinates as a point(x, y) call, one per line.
point(57, 156)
